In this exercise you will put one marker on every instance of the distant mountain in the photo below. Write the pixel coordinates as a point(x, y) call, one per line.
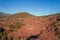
point(2, 15)
point(22, 15)
point(50, 15)
point(56, 14)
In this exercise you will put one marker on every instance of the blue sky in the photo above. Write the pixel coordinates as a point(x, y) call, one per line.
point(35, 7)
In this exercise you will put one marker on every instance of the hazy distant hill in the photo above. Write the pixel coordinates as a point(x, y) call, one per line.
point(2, 15)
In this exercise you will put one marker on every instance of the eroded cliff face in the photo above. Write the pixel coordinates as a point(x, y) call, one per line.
point(30, 28)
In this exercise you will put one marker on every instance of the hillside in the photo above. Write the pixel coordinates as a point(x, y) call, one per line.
point(22, 15)
point(24, 26)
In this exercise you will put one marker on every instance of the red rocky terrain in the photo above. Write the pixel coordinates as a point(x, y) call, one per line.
point(24, 26)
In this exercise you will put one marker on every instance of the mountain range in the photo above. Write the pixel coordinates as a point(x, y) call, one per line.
point(24, 26)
